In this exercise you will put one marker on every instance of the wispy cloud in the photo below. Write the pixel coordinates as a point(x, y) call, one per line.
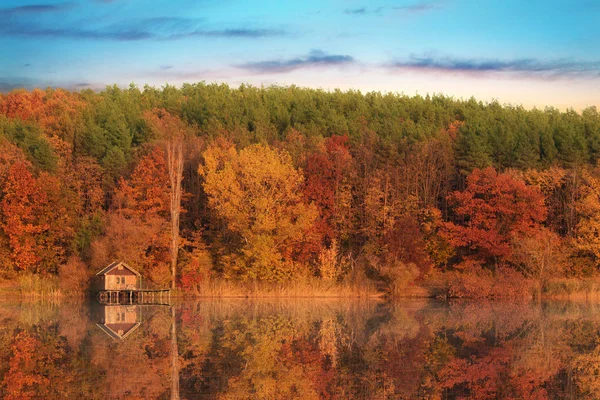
point(419, 7)
point(363, 11)
point(524, 66)
point(13, 22)
point(31, 31)
point(36, 9)
point(241, 33)
point(412, 8)
point(316, 58)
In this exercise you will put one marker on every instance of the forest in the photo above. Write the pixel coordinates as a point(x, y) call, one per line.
point(209, 186)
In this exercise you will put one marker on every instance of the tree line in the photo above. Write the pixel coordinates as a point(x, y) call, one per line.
point(283, 183)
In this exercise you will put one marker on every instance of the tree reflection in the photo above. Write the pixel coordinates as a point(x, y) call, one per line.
point(307, 350)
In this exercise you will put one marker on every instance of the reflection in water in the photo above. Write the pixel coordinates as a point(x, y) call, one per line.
point(120, 321)
point(298, 349)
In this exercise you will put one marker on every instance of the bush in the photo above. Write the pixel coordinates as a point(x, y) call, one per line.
point(197, 271)
point(399, 276)
point(74, 276)
point(475, 282)
point(467, 285)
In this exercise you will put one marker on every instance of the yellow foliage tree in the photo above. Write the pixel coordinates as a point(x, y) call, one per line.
point(257, 192)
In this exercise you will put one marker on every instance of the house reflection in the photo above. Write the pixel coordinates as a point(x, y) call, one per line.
point(119, 321)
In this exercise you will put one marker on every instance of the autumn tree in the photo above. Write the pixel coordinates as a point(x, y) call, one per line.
point(587, 230)
point(146, 193)
point(428, 168)
point(540, 255)
point(138, 228)
point(21, 206)
point(494, 208)
point(561, 189)
point(58, 217)
point(258, 193)
point(38, 218)
point(25, 378)
point(171, 131)
point(37, 365)
point(57, 111)
point(327, 185)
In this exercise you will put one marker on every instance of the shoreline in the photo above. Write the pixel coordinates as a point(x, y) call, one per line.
point(587, 289)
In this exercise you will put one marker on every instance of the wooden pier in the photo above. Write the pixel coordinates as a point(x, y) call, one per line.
point(135, 296)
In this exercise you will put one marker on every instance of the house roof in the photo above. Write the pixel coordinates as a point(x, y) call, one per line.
point(114, 265)
point(113, 334)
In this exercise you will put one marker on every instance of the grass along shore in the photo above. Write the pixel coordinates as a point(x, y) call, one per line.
point(32, 287)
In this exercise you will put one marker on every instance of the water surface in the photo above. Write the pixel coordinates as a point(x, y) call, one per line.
point(305, 349)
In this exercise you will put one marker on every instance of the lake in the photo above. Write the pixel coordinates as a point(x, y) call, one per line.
point(305, 349)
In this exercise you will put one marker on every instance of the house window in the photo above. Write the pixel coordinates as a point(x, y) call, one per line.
point(118, 280)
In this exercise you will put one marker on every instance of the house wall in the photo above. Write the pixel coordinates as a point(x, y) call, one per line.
point(120, 314)
point(120, 282)
point(119, 277)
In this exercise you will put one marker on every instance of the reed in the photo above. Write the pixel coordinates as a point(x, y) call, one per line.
point(39, 287)
point(572, 289)
point(301, 288)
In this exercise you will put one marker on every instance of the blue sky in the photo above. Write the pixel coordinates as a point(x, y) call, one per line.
point(533, 52)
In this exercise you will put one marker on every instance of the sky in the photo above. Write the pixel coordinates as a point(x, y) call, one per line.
point(533, 53)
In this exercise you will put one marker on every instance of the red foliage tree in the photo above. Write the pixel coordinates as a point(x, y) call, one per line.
point(406, 243)
point(492, 209)
point(324, 173)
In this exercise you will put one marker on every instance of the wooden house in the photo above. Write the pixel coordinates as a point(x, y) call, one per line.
point(118, 276)
point(118, 321)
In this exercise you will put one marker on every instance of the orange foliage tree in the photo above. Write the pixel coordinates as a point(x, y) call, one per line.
point(138, 230)
point(21, 206)
point(38, 219)
point(25, 378)
point(37, 364)
point(146, 193)
point(57, 111)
